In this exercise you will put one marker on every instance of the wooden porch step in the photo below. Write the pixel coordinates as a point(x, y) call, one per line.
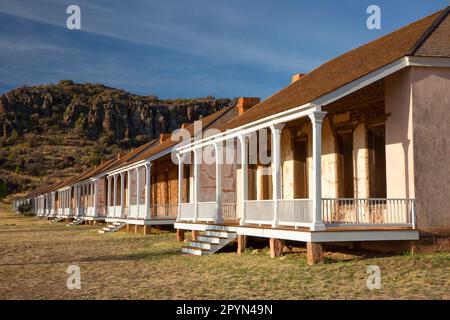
point(209, 244)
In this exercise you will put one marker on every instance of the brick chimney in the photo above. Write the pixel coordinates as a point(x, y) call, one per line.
point(163, 137)
point(297, 77)
point(245, 103)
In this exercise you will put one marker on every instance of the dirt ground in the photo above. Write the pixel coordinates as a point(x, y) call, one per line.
point(35, 255)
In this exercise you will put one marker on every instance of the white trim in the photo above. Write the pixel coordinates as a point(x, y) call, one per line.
point(429, 62)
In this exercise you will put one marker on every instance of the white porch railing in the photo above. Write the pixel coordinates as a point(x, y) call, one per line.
point(110, 213)
point(117, 212)
point(90, 211)
point(207, 211)
point(187, 212)
point(295, 212)
point(299, 212)
point(133, 211)
point(229, 212)
point(67, 211)
point(142, 211)
point(101, 211)
point(259, 211)
point(164, 210)
point(372, 212)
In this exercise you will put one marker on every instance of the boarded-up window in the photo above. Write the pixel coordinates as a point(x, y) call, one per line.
point(345, 148)
point(300, 169)
point(377, 162)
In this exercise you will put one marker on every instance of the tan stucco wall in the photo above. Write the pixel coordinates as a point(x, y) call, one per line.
point(431, 121)
point(399, 137)
point(287, 164)
point(329, 162)
point(208, 182)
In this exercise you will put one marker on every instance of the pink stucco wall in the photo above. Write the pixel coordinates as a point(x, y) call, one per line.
point(431, 123)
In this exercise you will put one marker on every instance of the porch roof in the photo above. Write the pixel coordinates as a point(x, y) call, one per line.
point(426, 37)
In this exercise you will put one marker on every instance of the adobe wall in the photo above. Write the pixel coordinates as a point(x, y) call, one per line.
point(164, 180)
point(431, 122)
point(399, 137)
point(208, 181)
point(101, 189)
point(329, 161)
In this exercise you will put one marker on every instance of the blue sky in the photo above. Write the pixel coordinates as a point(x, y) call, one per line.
point(187, 48)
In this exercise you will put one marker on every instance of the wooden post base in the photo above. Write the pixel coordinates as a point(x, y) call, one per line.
point(146, 230)
point(242, 243)
point(135, 229)
point(275, 247)
point(180, 235)
point(314, 252)
point(194, 235)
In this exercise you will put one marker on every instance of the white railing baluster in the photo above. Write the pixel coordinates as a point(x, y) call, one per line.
point(370, 211)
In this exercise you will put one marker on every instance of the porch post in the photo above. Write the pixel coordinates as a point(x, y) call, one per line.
point(276, 130)
point(129, 192)
point(95, 200)
point(122, 189)
point(91, 194)
point(69, 199)
point(243, 139)
point(108, 201)
point(115, 194)
point(316, 120)
point(197, 159)
point(138, 189)
point(219, 160)
point(85, 197)
point(148, 212)
point(54, 202)
point(81, 199)
point(180, 184)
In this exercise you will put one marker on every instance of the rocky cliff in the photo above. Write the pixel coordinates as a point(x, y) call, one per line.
point(51, 131)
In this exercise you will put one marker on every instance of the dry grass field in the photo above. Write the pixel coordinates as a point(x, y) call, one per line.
point(35, 254)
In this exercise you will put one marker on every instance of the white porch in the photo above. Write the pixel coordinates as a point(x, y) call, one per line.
point(310, 214)
point(129, 198)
